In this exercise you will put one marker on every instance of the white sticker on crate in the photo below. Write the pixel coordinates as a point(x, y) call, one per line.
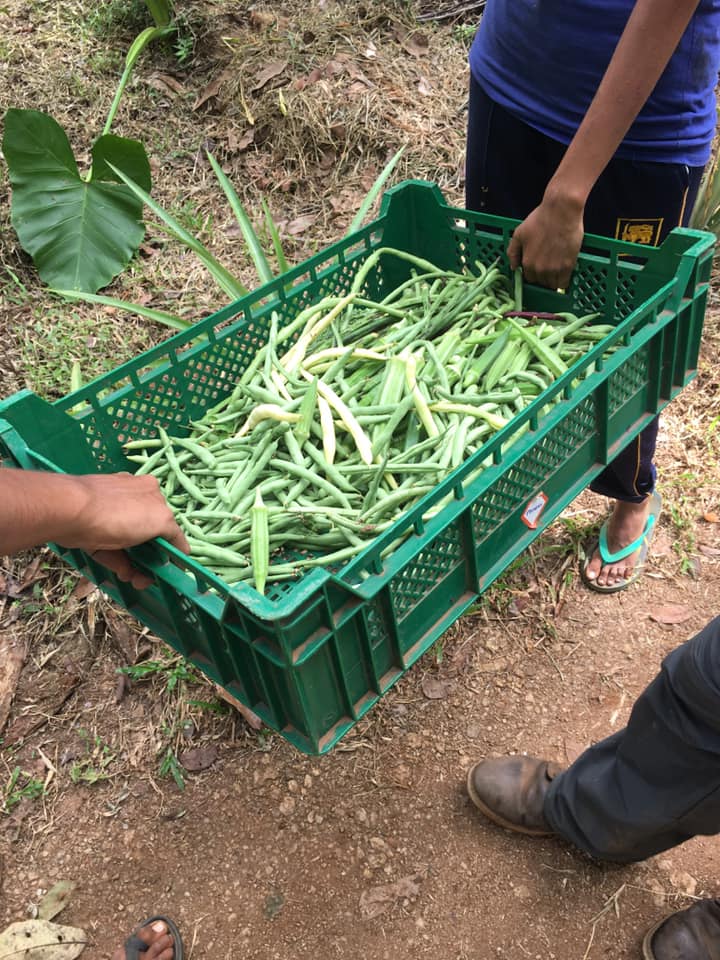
point(531, 513)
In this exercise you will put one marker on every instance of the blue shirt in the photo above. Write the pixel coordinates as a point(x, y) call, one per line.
point(543, 61)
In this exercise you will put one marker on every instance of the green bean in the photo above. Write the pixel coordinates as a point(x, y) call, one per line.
point(352, 411)
point(321, 482)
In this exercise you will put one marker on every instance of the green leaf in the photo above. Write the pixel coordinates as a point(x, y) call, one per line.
point(283, 265)
point(374, 192)
point(159, 316)
point(76, 383)
point(225, 280)
point(251, 238)
point(79, 233)
point(128, 155)
point(136, 48)
point(160, 10)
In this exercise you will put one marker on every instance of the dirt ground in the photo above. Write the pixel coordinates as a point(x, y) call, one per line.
point(151, 795)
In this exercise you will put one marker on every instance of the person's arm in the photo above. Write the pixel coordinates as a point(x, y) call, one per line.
point(548, 241)
point(99, 513)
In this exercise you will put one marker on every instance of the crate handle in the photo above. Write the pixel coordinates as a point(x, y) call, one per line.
point(13, 446)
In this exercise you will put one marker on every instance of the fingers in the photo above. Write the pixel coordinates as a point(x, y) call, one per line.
point(546, 244)
point(119, 562)
point(514, 251)
point(536, 272)
point(177, 538)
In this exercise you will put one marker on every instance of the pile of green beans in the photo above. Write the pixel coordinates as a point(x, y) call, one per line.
point(350, 413)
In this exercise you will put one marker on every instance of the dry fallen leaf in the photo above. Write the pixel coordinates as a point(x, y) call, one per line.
point(301, 224)
point(198, 758)
point(165, 83)
point(12, 657)
point(314, 75)
point(416, 44)
point(268, 73)
point(13, 587)
point(41, 940)
point(707, 551)
point(83, 589)
point(670, 613)
point(237, 144)
point(55, 900)
point(356, 73)
point(251, 718)
point(424, 87)
point(378, 900)
point(125, 638)
point(435, 689)
point(262, 19)
point(212, 89)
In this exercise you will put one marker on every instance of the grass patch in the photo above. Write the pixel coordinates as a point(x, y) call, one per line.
point(118, 18)
point(53, 342)
point(20, 786)
point(94, 765)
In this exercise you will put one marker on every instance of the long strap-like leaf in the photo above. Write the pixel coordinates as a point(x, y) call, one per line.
point(168, 319)
point(374, 192)
point(225, 280)
point(251, 238)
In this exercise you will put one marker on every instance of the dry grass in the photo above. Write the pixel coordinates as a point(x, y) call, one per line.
point(359, 81)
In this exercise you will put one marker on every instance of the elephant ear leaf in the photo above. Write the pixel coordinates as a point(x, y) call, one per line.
point(80, 233)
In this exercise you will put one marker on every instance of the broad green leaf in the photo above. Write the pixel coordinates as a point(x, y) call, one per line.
point(251, 238)
point(168, 319)
point(129, 155)
point(374, 191)
point(225, 280)
point(79, 233)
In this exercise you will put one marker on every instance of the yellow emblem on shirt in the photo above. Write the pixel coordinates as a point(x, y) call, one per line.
point(639, 231)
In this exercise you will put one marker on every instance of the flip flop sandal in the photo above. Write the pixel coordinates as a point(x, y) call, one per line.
point(134, 946)
point(642, 544)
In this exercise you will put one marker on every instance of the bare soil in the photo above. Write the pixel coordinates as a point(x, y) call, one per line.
point(374, 849)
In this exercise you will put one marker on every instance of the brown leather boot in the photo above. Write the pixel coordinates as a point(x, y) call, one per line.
point(511, 791)
point(692, 934)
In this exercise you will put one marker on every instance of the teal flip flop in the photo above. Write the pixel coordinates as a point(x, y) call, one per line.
point(642, 544)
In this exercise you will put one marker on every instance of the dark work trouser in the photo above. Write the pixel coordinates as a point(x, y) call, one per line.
point(509, 165)
point(657, 782)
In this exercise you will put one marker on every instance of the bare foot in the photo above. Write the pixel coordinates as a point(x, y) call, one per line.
point(156, 936)
point(627, 522)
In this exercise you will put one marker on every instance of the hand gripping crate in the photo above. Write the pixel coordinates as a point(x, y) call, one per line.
point(313, 655)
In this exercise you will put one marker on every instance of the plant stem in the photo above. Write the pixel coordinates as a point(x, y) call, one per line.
point(138, 45)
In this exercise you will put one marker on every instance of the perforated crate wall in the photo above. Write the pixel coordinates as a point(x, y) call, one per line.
point(313, 655)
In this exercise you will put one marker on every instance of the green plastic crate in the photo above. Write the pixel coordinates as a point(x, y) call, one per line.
point(313, 655)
